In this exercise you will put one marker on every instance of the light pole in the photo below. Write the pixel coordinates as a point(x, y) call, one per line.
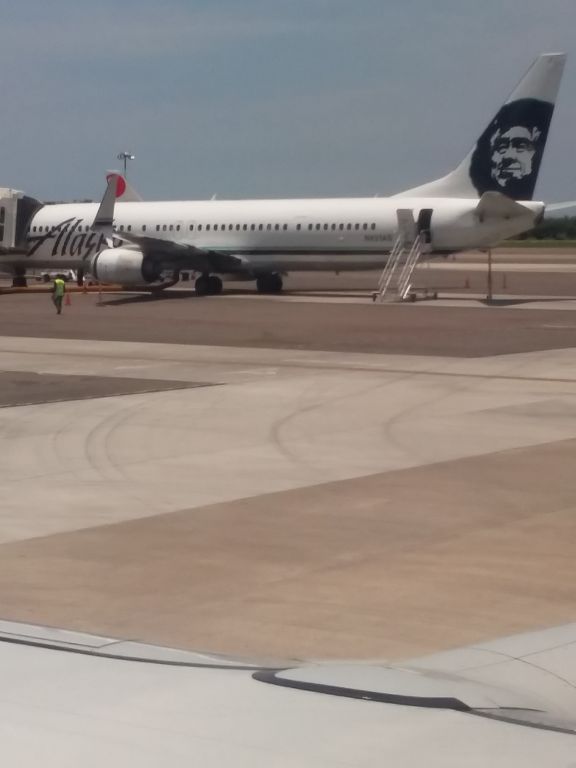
point(125, 156)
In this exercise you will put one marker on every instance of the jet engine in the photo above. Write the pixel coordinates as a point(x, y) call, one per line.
point(126, 266)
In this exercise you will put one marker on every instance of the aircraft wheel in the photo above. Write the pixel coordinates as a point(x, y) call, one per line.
point(202, 285)
point(214, 285)
point(271, 283)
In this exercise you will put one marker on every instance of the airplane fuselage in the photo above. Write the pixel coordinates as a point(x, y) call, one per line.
point(271, 235)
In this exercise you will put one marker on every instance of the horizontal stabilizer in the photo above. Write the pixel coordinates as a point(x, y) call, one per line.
point(550, 208)
point(495, 205)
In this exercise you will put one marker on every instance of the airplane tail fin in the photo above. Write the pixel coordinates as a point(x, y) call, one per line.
point(125, 192)
point(507, 156)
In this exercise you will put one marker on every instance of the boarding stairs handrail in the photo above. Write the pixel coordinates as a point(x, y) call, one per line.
point(394, 283)
point(404, 284)
point(390, 267)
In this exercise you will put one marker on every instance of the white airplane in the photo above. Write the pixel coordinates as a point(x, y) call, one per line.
point(486, 199)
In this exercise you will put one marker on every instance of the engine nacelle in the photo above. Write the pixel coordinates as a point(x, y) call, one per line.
point(126, 266)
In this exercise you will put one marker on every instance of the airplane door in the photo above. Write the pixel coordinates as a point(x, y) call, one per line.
point(424, 224)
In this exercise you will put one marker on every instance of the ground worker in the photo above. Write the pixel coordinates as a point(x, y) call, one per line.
point(58, 291)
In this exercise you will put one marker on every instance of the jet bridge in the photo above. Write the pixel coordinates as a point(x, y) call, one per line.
point(16, 212)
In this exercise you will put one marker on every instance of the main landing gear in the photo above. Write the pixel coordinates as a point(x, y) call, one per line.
point(208, 285)
point(270, 283)
point(19, 278)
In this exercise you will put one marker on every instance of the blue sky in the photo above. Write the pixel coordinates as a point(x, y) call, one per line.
point(268, 98)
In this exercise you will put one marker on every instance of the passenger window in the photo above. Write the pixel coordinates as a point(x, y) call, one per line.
point(364, 226)
point(199, 227)
point(325, 226)
point(207, 227)
point(348, 226)
point(317, 226)
point(372, 226)
point(252, 227)
point(285, 226)
point(237, 227)
point(276, 226)
point(230, 227)
point(191, 227)
point(157, 227)
point(298, 227)
point(260, 227)
point(356, 226)
point(310, 226)
point(164, 227)
point(177, 227)
point(215, 226)
point(333, 226)
point(143, 227)
point(340, 227)
point(268, 227)
point(244, 227)
point(129, 228)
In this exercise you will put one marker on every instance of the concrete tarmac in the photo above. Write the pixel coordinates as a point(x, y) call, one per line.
point(356, 480)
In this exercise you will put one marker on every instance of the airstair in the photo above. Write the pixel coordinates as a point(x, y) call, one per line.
point(395, 281)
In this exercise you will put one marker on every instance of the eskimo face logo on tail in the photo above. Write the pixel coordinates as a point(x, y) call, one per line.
point(507, 156)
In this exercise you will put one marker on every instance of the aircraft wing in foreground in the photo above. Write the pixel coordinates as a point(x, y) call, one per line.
point(70, 699)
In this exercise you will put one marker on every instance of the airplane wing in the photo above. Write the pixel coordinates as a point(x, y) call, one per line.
point(184, 254)
point(70, 699)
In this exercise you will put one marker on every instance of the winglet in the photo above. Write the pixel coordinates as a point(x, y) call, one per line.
point(104, 219)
